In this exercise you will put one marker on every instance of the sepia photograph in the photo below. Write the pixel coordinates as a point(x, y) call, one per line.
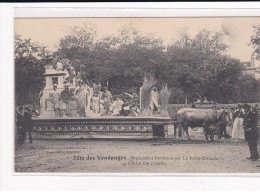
point(137, 95)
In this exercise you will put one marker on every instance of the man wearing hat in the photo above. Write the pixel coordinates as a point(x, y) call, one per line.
point(20, 124)
point(251, 132)
point(55, 100)
point(108, 95)
point(65, 100)
point(28, 125)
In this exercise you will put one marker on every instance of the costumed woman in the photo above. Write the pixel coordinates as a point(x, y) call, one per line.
point(238, 130)
point(81, 94)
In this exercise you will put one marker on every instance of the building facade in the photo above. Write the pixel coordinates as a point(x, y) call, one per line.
point(252, 67)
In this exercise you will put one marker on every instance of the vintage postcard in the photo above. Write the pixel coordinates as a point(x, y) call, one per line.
point(137, 95)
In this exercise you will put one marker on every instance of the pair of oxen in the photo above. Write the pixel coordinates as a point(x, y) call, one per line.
point(209, 119)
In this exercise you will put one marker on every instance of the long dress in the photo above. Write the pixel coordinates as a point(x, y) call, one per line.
point(154, 100)
point(95, 104)
point(89, 97)
point(230, 125)
point(81, 94)
point(238, 130)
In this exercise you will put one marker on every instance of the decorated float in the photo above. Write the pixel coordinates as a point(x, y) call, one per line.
point(71, 108)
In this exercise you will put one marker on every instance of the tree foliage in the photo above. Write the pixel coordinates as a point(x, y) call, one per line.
point(200, 67)
point(30, 59)
point(121, 61)
point(247, 90)
point(255, 40)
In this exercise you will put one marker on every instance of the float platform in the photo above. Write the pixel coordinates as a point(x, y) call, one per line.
point(119, 127)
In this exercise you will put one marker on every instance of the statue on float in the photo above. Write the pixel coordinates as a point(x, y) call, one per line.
point(153, 102)
point(148, 96)
point(164, 101)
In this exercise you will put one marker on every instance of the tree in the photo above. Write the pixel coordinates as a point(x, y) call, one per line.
point(200, 68)
point(255, 40)
point(177, 96)
point(136, 56)
point(121, 61)
point(182, 69)
point(193, 67)
point(223, 73)
point(77, 47)
point(30, 59)
point(247, 89)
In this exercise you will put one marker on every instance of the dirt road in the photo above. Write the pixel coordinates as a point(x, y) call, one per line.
point(155, 156)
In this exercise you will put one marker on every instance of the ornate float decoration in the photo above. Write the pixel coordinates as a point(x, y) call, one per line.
point(77, 120)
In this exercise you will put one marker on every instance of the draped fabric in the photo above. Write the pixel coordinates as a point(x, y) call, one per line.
point(238, 130)
point(81, 94)
point(95, 104)
point(154, 100)
point(89, 96)
point(145, 97)
point(116, 107)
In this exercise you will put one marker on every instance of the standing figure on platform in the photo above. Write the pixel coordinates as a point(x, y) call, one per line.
point(55, 100)
point(81, 94)
point(154, 105)
point(59, 66)
point(89, 97)
point(65, 101)
point(102, 104)
point(108, 96)
point(100, 94)
point(85, 98)
point(99, 89)
point(238, 130)
point(107, 100)
point(116, 107)
point(73, 78)
point(164, 101)
point(148, 97)
point(78, 79)
point(67, 76)
point(95, 103)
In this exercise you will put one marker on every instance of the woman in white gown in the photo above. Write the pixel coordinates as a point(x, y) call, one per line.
point(238, 130)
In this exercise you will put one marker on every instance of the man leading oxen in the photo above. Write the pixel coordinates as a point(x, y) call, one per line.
point(207, 119)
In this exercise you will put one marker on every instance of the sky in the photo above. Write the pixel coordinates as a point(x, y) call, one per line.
point(237, 30)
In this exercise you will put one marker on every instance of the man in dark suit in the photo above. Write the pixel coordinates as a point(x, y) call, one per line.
point(28, 125)
point(20, 125)
point(251, 132)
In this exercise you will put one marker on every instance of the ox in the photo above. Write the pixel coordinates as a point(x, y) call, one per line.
point(207, 119)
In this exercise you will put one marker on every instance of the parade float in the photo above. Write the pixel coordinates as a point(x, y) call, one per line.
point(82, 118)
